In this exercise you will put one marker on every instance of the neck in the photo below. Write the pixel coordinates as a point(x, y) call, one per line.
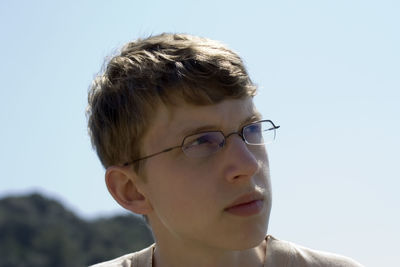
point(192, 254)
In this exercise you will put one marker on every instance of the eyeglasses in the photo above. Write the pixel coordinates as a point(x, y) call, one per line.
point(205, 144)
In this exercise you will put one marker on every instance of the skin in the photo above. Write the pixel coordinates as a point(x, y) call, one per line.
point(185, 198)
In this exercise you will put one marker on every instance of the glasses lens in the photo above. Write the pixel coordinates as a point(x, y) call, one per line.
point(259, 133)
point(203, 144)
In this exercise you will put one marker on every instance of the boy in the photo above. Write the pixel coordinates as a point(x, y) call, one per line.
point(173, 122)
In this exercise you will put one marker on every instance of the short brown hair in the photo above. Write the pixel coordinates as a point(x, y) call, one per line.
point(158, 69)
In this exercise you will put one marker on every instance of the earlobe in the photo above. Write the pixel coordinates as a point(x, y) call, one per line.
point(121, 185)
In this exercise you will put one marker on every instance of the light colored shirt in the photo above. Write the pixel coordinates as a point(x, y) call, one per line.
point(278, 254)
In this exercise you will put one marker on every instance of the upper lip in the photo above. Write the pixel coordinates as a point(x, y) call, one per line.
point(246, 198)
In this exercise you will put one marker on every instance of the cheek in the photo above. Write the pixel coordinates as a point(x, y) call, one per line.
point(261, 155)
point(178, 186)
point(264, 171)
point(260, 152)
point(182, 199)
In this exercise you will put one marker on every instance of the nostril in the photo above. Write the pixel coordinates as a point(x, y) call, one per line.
point(236, 177)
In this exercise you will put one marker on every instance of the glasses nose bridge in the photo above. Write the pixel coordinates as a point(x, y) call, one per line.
point(232, 133)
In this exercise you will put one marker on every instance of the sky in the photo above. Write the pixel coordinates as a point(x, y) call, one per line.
point(328, 73)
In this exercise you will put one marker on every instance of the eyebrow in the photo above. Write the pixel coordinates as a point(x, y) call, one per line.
point(186, 132)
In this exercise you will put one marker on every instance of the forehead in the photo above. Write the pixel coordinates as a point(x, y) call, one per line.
point(172, 123)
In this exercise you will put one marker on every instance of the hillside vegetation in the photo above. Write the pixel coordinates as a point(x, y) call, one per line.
point(38, 231)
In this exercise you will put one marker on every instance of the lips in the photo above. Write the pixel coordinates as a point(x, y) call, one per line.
point(246, 205)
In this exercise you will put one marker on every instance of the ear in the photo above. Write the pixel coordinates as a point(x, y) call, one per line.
point(121, 184)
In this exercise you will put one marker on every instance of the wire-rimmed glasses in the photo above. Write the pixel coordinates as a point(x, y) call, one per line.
point(205, 144)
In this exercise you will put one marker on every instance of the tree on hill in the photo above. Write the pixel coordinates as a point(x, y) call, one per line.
point(38, 231)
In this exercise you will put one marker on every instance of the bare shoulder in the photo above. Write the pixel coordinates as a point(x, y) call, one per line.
point(283, 253)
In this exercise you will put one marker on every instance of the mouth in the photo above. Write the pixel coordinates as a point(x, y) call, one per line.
point(247, 205)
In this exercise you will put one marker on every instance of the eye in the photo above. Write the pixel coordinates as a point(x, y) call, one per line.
point(203, 139)
point(203, 144)
point(254, 133)
point(253, 128)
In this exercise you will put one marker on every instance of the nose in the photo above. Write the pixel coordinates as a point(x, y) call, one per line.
point(239, 161)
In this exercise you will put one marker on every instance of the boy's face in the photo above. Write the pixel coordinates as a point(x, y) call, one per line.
point(190, 197)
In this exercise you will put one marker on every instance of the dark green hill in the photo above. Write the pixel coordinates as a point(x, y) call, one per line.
point(38, 231)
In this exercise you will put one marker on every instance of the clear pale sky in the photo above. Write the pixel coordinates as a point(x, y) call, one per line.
point(328, 72)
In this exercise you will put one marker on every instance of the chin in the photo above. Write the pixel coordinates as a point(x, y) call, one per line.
point(248, 242)
point(249, 237)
